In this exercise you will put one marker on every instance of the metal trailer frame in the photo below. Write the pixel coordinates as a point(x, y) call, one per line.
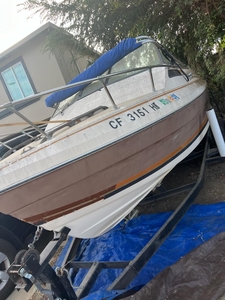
point(31, 268)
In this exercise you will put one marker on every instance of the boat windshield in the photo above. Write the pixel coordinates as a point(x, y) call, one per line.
point(146, 55)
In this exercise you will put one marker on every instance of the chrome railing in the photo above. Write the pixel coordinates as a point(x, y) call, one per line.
point(47, 135)
point(18, 140)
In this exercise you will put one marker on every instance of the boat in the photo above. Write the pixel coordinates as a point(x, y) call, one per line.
point(118, 129)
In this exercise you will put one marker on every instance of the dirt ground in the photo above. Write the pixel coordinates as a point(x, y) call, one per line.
point(213, 190)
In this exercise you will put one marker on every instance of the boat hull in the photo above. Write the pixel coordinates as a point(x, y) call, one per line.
point(92, 193)
point(108, 212)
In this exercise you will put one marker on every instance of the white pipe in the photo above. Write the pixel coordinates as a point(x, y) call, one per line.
point(216, 131)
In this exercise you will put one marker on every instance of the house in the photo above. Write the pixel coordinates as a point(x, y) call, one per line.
point(26, 70)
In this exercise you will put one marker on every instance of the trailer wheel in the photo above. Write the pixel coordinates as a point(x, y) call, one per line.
point(7, 255)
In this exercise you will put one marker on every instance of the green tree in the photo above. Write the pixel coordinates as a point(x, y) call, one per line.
point(192, 29)
point(64, 41)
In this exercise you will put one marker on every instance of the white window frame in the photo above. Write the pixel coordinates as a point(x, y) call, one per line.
point(9, 92)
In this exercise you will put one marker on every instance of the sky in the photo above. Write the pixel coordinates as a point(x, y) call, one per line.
point(14, 25)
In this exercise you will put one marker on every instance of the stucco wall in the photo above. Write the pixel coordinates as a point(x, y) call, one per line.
point(47, 71)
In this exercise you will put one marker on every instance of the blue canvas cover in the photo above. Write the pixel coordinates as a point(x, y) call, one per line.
point(124, 242)
point(101, 65)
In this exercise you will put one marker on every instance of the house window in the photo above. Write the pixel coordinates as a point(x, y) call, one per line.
point(17, 82)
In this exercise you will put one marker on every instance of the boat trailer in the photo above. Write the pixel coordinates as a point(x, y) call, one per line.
point(31, 268)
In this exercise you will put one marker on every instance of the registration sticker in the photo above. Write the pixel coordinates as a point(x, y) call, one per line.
point(169, 98)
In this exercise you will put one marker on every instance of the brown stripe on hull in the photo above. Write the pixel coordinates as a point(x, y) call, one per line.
point(55, 213)
point(162, 161)
point(60, 191)
point(51, 215)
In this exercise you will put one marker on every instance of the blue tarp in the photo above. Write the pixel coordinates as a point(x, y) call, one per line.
point(124, 242)
point(101, 65)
